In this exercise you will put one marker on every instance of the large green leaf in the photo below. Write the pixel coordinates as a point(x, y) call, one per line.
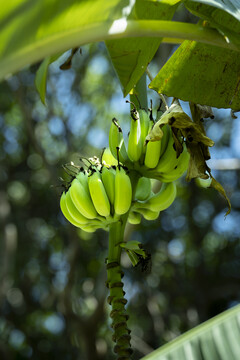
point(203, 74)
point(223, 14)
point(32, 29)
point(216, 339)
point(130, 57)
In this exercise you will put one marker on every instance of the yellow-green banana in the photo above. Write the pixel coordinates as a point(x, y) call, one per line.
point(123, 192)
point(160, 201)
point(108, 159)
point(145, 122)
point(166, 135)
point(116, 142)
point(135, 141)
point(134, 218)
point(73, 211)
point(108, 179)
point(178, 170)
point(149, 214)
point(169, 158)
point(143, 189)
point(153, 150)
point(98, 193)
point(81, 197)
point(65, 211)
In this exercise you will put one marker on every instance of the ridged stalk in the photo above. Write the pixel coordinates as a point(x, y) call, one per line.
point(121, 333)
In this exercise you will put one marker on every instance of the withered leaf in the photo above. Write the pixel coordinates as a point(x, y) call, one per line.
point(217, 186)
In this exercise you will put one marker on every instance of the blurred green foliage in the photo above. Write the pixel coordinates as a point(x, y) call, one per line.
point(52, 275)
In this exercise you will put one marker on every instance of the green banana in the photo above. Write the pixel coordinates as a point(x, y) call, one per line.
point(135, 141)
point(134, 218)
point(160, 201)
point(108, 179)
point(73, 211)
point(145, 122)
point(108, 159)
point(143, 189)
point(123, 192)
point(169, 158)
point(65, 211)
point(153, 150)
point(149, 214)
point(98, 193)
point(116, 142)
point(80, 195)
point(178, 170)
point(166, 135)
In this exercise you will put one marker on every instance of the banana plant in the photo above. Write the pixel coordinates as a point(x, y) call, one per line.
point(110, 192)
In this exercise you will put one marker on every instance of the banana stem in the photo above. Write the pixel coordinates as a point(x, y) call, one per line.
point(121, 333)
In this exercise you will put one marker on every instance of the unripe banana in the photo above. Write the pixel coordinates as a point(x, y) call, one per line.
point(135, 141)
point(166, 135)
point(134, 218)
point(143, 189)
point(98, 194)
point(65, 211)
point(123, 192)
point(160, 201)
point(153, 150)
point(116, 141)
point(108, 179)
point(169, 158)
point(108, 159)
point(92, 228)
point(149, 214)
point(178, 170)
point(81, 197)
point(145, 122)
point(73, 211)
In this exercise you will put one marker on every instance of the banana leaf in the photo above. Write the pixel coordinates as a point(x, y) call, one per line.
point(216, 339)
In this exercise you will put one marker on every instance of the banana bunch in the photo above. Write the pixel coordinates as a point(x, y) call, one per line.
point(97, 197)
point(157, 158)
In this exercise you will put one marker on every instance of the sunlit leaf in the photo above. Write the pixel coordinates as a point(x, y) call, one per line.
point(217, 338)
point(130, 57)
point(203, 74)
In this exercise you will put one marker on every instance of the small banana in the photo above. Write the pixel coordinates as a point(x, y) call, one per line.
point(116, 142)
point(108, 159)
point(145, 123)
point(80, 195)
point(73, 211)
point(135, 141)
point(153, 150)
point(123, 192)
point(143, 189)
point(178, 170)
point(134, 218)
point(65, 211)
point(149, 214)
point(160, 201)
point(166, 135)
point(108, 179)
point(169, 158)
point(98, 193)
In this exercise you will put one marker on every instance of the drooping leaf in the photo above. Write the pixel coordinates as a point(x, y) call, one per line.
point(41, 76)
point(130, 57)
point(203, 74)
point(217, 186)
point(217, 338)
